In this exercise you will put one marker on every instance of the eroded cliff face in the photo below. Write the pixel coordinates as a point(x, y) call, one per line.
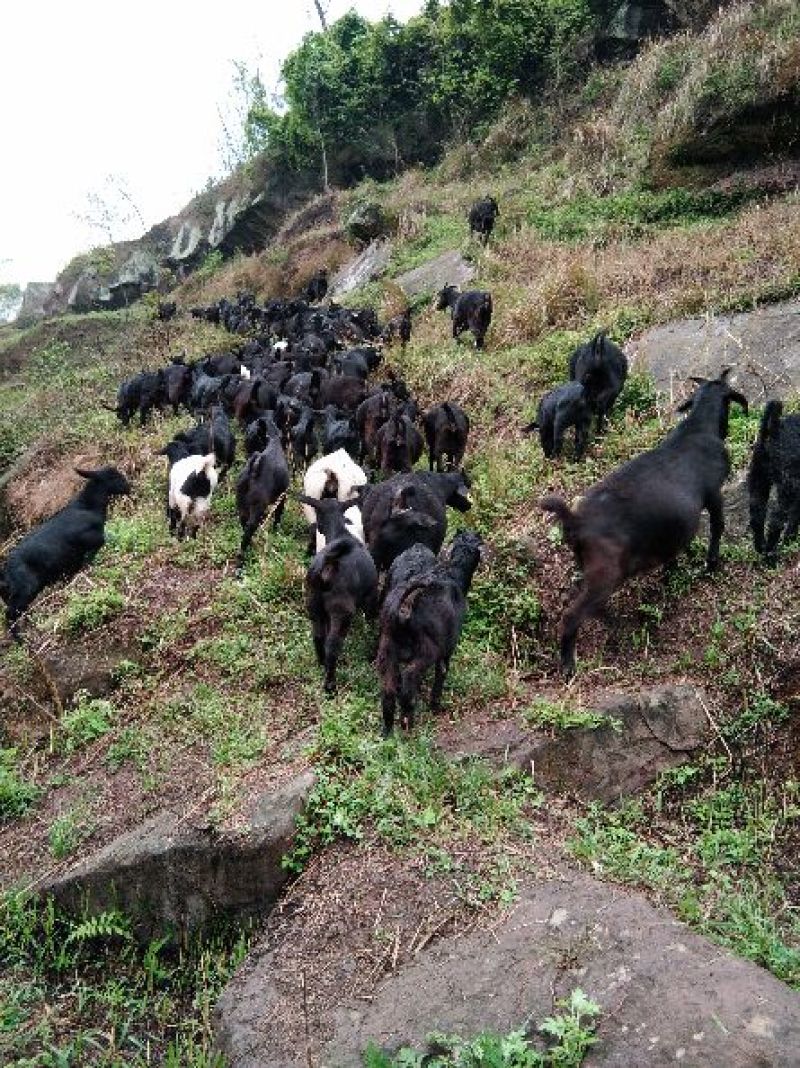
point(240, 214)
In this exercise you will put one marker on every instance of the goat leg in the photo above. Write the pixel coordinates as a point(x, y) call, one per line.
point(717, 523)
point(337, 632)
point(387, 706)
point(440, 674)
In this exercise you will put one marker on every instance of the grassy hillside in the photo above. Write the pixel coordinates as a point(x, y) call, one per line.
point(209, 693)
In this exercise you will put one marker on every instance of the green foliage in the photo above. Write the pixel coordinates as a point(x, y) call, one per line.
point(212, 261)
point(368, 97)
point(67, 831)
point(559, 715)
point(400, 789)
point(571, 1032)
point(16, 795)
point(88, 610)
point(84, 991)
point(90, 718)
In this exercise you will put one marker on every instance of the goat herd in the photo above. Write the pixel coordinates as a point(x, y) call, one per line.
point(297, 384)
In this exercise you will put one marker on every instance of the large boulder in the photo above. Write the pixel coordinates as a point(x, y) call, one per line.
point(89, 293)
point(367, 266)
point(449, 268)
point(762, 346)
point(34, 300)
point(668, 996)
point(172, 876)
point(641, 735)
point(367, 222)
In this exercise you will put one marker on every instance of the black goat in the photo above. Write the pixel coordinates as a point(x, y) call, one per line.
point(471, 310)
point(601, 368)
point(411, 508)
point(775, 462)
point(142, 393)
point(261, 485)
point(317, 286)
point(446, 429)
point(420, 625)
point(341, 581)
point(166, 310)
point(339, 432)
point(223, 442)
point(62, 545)
point(558, 410)
point(259, 432)
point(647, 511)
point(398, 444)
point(482, 215)
point(399, 326)
point(304, 439)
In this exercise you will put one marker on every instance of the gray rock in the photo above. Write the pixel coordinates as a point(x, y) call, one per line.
point(655, 730)
point(450, 268)
point(88, 293)
point(367, 222)
point(368, 265)
point(173, 877)
point(33, 303)
point(668, 996)
point(762, 346)
point(186, 243)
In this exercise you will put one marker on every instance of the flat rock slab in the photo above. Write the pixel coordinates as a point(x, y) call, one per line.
point(763, 346)
point(668, 995)
point(647, 733)
point(174, 877)
point(448, 269)
point(367, 266)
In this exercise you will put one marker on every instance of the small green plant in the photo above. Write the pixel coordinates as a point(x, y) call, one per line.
point(570, 1031)
point(89, 718)
point(67, 831)
point(16, 795)
point(86, 611)
point(559, 715)
point(211, 264)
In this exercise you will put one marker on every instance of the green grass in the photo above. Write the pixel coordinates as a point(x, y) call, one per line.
point(85, 992)
point(715, 876)
point(17, 795)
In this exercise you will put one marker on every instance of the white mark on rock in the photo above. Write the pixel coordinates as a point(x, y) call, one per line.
point(680, 1054)
point(699, 1036)
point(557, 917)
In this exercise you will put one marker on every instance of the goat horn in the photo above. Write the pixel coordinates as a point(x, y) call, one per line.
point(699, 381)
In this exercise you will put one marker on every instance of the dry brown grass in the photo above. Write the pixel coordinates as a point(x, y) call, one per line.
point(543, 284)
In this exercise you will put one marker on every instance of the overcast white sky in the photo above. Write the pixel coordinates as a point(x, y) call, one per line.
point(93, 89)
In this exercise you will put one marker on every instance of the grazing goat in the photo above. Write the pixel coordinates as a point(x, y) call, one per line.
point(601, 368)
point(482, 215)
point(775, 462)
point(647, 511)
point(398, 444)
point(222, 440)
point(420, 625)
point(177, 384)
point(406, 509)
point(192, 482)
point(339, 432)
point(558, 410)
point(446, 429)
point(62, 545)
point(341, 580)
point(399, 326)
point(336, 475)
point(142, 393)
point(259, 432)
point(471, 310)
point(304, 439)
point(261, 485)
point(317, 287)
point(166, 310)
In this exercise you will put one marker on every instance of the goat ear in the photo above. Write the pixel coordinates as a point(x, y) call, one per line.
point(312, 502)
point(84, 472)
point(684, 406)
point(738, 398)
point(530, 427)
point(698, 381)
point(724, 373)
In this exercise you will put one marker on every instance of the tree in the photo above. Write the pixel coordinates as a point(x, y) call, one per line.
point(10, 300)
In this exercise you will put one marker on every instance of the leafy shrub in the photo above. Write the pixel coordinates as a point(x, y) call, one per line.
point(16, 795)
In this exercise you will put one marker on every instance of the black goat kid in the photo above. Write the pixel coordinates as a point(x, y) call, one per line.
point(420, 626)
point(341, 580)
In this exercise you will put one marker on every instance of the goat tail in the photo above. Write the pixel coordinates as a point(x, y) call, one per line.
point(770, 421)
point(563, 513)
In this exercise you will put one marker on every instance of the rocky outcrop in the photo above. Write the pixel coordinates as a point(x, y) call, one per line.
point(172, 876)
point(762, 346)
point(33, 303)
point(642, 734)
point(668, 996)
point(367, 222)
point(367, 266)
point(450, 268)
